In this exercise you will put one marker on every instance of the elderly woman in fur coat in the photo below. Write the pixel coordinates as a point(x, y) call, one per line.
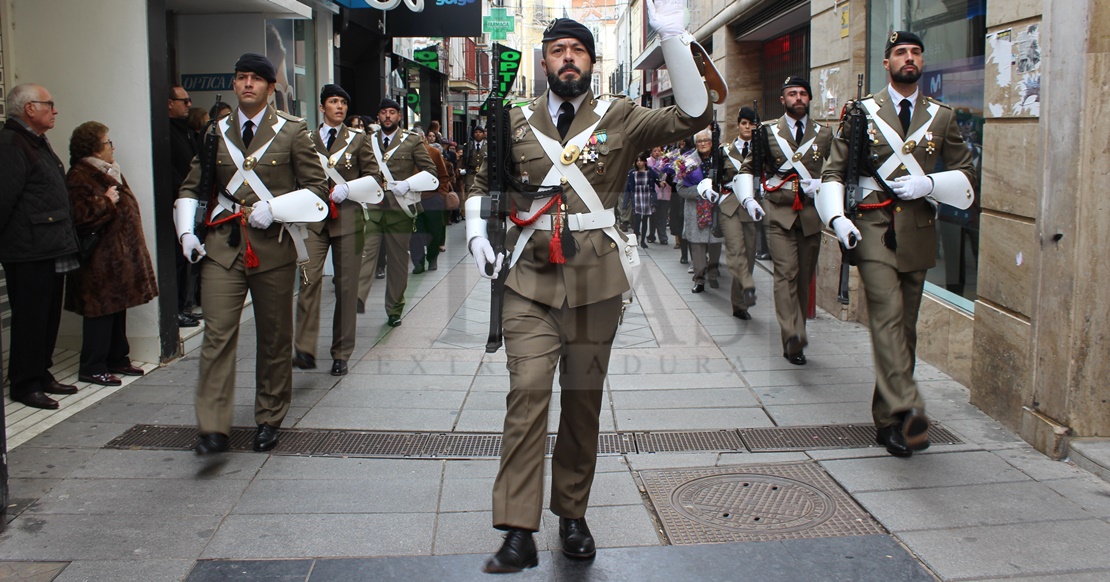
point(116, 272)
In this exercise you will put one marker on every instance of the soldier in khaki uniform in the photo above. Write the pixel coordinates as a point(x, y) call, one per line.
point(264, 155)
point(473, 155)
point(737, 223)
point(390, 222)
point(893, 232)
point(349, 156)
point(563, 297)
point(796, 149)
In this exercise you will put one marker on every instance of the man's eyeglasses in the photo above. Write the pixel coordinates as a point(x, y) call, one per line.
point(186, 100)
point(49, 104)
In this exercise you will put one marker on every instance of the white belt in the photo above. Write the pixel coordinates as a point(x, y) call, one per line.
point(578, 222)
point(869, 184)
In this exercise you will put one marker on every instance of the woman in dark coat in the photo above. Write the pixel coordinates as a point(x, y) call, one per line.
point(117, 274)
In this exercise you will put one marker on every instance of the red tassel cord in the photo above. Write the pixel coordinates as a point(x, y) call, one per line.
point(797, 194)
point(556, 250)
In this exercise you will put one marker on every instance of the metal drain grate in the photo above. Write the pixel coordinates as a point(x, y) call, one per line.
point(753, 503)
point(660, 442)
point(841, 436)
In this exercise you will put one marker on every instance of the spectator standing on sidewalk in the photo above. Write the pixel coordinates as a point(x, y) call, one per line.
point(639, 196)
point(117, 273)
point(184, 146)
point(661, 214)
point(38, 243)
point(705, 249)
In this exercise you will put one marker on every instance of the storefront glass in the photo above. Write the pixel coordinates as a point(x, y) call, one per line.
point(953, 33)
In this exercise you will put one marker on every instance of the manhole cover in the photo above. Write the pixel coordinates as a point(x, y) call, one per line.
point(753, 503)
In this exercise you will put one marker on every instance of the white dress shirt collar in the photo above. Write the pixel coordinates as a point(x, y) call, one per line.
point(554, 102)
point(257, 119)
point(897, 98)
point(324, 128)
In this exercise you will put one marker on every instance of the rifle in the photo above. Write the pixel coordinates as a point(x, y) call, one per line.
point(759, 151)
point(210, 145)
point(495, 207)
point(716, 174)
point(858, 150)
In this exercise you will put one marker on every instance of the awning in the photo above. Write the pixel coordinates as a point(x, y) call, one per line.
point(284, 8)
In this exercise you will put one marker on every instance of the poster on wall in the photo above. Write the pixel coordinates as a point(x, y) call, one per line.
point(439, 18)
point(279, 49)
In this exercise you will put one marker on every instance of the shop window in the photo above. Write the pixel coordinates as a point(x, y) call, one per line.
point(953, 33)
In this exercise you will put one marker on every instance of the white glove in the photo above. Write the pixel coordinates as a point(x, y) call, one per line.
point(400, 188)
point(754, 209)
point(191, 244)
point(844, 227)
point(484, 257)
point(811, 186)
point(462, 172)
point(705, 191)
point(340, 193)
point(668, 17)
point(912, 187)
point(261, 215)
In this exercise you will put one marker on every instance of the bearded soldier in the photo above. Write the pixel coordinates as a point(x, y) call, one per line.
point(893, 231)
point(569, 267)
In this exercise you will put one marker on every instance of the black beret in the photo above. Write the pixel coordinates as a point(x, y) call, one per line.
point(902, 37)
point(330, 90)
point(257, 64)
point(388, 103)
point(797, 82)
point(566, 28)
point(477, 128)
point(746, 113)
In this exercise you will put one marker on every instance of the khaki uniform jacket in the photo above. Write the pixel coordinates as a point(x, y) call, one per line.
point(914, 220)
point(405, 158)
point(730, 205)
point(357, 161)
point(779, 204)
point(290, 163)
point(594, 273)
point(472, 162)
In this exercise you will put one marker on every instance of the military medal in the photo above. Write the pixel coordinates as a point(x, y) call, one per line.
point(524, 177)
point(601, 168)
point(603, 137)
point(347, 158)
point(907, 148)
point(797, 156)
point(816, 153)
point(249, 163)
point(570, 154)
point(930, 147)
point(331, 162)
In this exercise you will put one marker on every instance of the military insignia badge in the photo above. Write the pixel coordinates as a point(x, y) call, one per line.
point(930, 147)
point(249, 163)
point(570, 154)
point(907, 148)
point(797, 156)
point(520, 133)
point(331, 162)
point(893, 37)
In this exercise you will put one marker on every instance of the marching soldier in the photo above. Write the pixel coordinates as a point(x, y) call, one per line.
point(347, 160)
point(472, 160)
point(569, 267)
point(893, 231)
point(407, 170)
point(791, 174)
point(739, 227)
point(263, 156)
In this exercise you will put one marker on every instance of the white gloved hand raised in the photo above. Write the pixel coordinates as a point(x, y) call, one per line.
point(261, 215)
point(912, 187)
point(462, 172)
point(190, 244)
point(754, 209)
point(705, 191)
point(668, 17)
point(843, 228)
point(811, 186)
point(340, 193)
point(485, 259)
point(400, 188)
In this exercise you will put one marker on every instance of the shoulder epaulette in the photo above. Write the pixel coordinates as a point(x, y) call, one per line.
point(772, 122)
point(939, 102)
point(288, 116)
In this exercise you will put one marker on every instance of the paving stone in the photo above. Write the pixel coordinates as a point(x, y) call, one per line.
point(140, 497)
point(28, 461)
point(387, 419)
point(617, 526)
point(827, 413)
point(133, 464)
point(291, 535)
point(75, 434)
point(290, 467)
point(968, 506)
point(406, 569)
point(113, 411)
point(459, 495)
point(125, 571)
point(1013, 550)
point(1100, 576)
point(1089, 492)
point(648, 461)
point(985, 432)
point(340, 496)
point(346, 397)
point(1035, 464)
point(105, 537)
point(414, 365)
point(830, 394)
point(30, 571)
point(684, 398)
point(890, 473)
point(691, 419)
point(629, 364)
point(231, 570)
point(675, 381)
point(470, 469)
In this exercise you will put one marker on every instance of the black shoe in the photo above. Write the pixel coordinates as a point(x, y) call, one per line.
point(664, 242)
point(698, 288)
point(892, 439)
point(184, 320)
point(266, 438)
point(418, 270)
point(37, 399)
point(683, 261)
point(651, 239)
point(304, 361)
point(749, 296)
point(763, 256)
point(57, 387)
point(379, 274)
point(394, 321)
point(433, 264)
point(713, 284)
point(741, 314)
point(915, 429)
point(339, 368)
point(798, 359)
point(794, 345)
point(576, 537)
point(517, 553)
point(643, 244)
point(101, 379)
point(127, 370)
point(361, 307)
point(211, 443)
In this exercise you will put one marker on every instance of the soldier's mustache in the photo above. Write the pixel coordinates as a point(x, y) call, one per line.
point(570, 68)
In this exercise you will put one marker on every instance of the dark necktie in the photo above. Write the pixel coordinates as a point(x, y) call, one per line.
point(331, 138)
point(798, 133)
point(385, 142)
point(566, 117)
point(248, 133)
point(744, 154)
point(904, 115)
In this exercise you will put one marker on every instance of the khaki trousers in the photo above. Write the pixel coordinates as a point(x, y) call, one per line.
point(893, 299)
point(795, 258)
point(391, 229)
point(740, 255)
point(706, 259)
point(222, 294)
point(346, 261)
point(537, 339)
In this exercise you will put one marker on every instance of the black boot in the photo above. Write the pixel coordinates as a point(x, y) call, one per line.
point(576, 538)
point(517, 553)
